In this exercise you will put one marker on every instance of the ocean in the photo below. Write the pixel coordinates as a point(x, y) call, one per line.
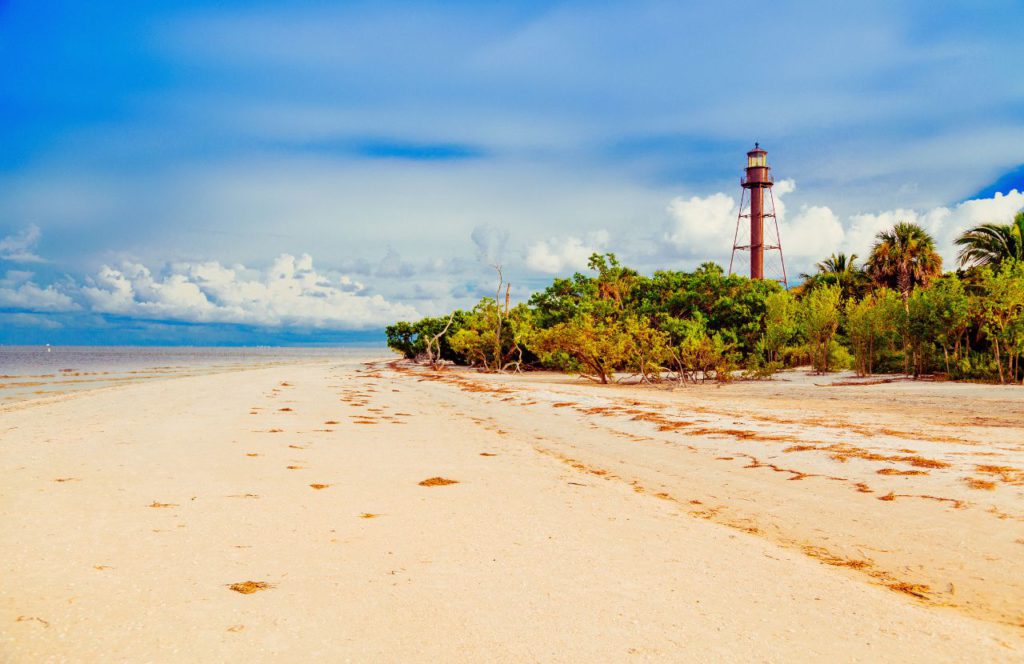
point(28, 372)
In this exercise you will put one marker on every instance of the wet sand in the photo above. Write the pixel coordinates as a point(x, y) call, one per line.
point(382, 513)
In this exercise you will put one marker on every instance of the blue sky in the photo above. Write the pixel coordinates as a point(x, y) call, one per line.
point(253, 171)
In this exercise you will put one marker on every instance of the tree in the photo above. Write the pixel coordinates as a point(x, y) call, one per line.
point(819, 321)
point(614, 282)
point(902, 258)
point(491, 334)
point(434, 345)
point(411, 339)
point(699, 355)
point(992, 244)
point(871, 325)
point(780, 326)
point(841, 270)
point(593, 345)
point(939, 315)
point(1001, 312)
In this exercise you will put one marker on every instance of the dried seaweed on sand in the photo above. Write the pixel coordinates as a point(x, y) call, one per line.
point(249, 587)
point(438, 481)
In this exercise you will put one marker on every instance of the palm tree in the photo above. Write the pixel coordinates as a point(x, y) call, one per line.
point(903, 257)
point(837, 264)
point(991, 244)
point(837, 269)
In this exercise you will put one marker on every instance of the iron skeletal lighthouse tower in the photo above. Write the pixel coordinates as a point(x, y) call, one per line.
point(758, 181)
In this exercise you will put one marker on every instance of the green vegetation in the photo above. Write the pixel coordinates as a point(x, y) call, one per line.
point(899, 313)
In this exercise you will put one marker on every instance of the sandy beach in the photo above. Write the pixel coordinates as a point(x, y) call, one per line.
point(300, 512)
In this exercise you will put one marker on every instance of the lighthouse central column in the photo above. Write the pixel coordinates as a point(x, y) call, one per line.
point(756, 233)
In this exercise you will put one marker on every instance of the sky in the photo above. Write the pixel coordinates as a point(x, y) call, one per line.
point(232, 172)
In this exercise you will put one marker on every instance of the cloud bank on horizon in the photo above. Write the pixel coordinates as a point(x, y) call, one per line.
point(188, 172)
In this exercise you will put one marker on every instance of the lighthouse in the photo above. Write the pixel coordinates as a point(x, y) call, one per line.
point(757, 184)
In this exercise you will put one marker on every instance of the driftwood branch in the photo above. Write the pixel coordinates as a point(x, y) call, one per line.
point(435, 342)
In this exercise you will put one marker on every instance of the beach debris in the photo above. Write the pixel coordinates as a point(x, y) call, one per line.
point(319, 486)
point(251, 454)
point(1007, 474)
point(488, 454)
point(332, 422)
point(155, 504)
point(438, 481)
point(249, 587)
point(896, 471)
point(919, 590)
point(243, 495)
point(294, 467)
point(236, 628)
point(102, 567)
point(829, 558)
point(67, 479)
point(369, 515)
point(284, 410)
point(42, 622)
point(975, 483)
point(888, 496)
point(275, 430)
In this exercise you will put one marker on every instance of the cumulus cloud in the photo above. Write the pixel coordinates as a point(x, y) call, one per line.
point(704, 227)
point(943, 223)
point(19, 291)
point(558, 255)
point(288, 293)
point(19, 247)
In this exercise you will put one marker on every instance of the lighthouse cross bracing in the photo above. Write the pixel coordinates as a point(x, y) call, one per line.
point(753, 246)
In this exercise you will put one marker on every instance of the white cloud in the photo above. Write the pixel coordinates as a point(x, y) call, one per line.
point(814, 232)
point(288, 293)
point(18, 247)
point(945, 224)
point(18, 291)
point(704, 227)
point(556, 255)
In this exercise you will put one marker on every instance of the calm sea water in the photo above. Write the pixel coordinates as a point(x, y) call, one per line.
point(36, 371)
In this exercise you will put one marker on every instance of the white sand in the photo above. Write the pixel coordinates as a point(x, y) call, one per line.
point(558, 548)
